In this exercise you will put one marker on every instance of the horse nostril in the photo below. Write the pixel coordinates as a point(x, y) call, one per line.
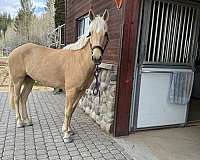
point(97, 61)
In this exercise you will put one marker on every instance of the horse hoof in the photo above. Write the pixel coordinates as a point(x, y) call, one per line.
point(20, 125)
point(28, 123)
point(68, 140)
point(71, 133)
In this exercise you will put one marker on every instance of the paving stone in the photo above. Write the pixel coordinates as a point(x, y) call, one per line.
point(19, 152)
point(63, 152)
point(93, 150)
point(80, 145)
point(104, 151)
point(41, 152)
point(77, 158)
point(30, 152)
point(73, 153)
point(7, 153)
point(55, 157)
point(82, 149)
point(19, 157)
point(44, 156)
point(119, 156)
point(72, 149)
point(31, 157)
point(65, 157)
point(115, 151)
point(52, 153)
point(101, 158)
point(7, 157)
point(108, 155)
point(96, 155)
point(50, 148)
point(88, 158)
point(85, 154)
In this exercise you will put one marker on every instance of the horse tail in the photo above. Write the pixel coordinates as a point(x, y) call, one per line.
point(11, 93)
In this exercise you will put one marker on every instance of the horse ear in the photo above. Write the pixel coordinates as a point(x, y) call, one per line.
point(91, 15)
point(106, 15)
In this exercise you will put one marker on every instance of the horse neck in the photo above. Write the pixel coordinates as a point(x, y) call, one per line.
point(86, 59)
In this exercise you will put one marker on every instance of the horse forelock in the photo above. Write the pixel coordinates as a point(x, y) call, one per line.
point(98, 25)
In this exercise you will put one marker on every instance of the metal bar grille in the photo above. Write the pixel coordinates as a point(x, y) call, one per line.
point(171, 33)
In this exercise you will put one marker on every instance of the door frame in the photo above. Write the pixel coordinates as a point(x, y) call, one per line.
point(126, 67)
point(140, 52)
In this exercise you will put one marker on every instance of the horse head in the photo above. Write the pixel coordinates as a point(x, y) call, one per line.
point(98, 34)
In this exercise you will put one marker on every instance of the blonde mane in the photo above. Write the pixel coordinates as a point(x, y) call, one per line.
point(98, 24)
point(81, 43)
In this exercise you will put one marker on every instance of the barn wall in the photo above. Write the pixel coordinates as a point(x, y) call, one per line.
point(77, 8)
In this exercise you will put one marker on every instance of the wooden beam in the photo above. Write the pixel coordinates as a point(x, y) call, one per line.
point(65, 39)
point(126, 67)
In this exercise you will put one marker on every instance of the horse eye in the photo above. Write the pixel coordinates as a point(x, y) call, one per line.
point(106, 34)
point(89, 35)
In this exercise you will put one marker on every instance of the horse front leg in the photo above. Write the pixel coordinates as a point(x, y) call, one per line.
point(70, 99)
point(80, 94)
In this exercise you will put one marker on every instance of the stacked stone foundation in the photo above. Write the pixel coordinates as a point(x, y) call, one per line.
point(102, 110)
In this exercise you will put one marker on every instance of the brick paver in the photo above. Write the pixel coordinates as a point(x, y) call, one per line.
point(43, 140)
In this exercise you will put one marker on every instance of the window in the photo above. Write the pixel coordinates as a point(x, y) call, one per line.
point(82, 25)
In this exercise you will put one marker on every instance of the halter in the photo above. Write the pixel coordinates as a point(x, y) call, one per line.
point(96, 90)
point(99, 47)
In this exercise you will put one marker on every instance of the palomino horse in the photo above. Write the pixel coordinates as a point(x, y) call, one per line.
point(71, 69)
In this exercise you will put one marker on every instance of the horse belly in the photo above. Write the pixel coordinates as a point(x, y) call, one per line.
point(48, 78)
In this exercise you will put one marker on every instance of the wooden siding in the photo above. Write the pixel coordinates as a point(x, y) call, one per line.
point(77, 8)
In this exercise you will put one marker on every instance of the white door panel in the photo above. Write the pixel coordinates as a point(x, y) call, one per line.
point(154, 108)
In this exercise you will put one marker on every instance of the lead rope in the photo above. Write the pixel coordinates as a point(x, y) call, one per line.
point(96, 90)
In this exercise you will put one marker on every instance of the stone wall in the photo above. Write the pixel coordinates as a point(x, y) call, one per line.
point(102, 110)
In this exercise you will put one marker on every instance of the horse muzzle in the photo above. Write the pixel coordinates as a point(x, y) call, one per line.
point(97, 61)
point(97, 53)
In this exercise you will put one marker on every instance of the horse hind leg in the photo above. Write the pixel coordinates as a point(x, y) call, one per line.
point(17, 88)
point(28, 85)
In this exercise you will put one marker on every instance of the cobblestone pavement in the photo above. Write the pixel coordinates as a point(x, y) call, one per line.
point(43, 140)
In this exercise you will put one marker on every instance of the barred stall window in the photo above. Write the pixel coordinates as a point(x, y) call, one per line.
point(82, 25)
point(171, 35)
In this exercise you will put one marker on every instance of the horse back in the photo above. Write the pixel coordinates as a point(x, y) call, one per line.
point(40, 63)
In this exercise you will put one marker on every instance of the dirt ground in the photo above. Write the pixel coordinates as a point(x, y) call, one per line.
point(4, 77)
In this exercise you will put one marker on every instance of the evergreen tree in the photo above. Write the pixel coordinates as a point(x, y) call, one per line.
point(23, 18)
point(5, 21)
point(59, 12)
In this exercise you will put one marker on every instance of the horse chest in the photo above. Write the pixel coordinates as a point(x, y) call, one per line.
point(78, 78)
